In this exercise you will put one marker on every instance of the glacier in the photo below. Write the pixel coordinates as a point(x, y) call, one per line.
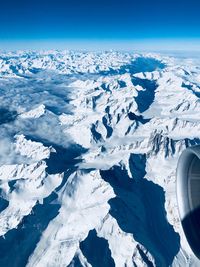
point(89, 144)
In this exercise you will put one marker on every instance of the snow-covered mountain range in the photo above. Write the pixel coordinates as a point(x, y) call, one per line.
point(89, 144)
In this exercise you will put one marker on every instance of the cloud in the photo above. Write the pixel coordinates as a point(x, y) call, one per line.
point(21, 95)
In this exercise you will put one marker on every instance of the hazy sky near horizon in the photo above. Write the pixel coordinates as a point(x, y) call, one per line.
point(80, 22)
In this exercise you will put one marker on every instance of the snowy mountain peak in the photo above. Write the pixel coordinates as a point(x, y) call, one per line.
point(89, 145)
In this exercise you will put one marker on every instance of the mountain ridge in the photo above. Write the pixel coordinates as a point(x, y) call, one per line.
point(89, 147)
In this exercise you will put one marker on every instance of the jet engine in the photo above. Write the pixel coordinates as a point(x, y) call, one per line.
point(188, 195)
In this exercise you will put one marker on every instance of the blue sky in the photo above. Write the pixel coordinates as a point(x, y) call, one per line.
point(76, 23)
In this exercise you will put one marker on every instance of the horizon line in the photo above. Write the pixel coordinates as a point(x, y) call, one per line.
point(145, 44)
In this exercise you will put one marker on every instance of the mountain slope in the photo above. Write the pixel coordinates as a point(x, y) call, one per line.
point(89, 145)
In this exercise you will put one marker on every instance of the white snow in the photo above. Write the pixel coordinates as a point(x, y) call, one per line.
point(34, 113)
point(73, 115)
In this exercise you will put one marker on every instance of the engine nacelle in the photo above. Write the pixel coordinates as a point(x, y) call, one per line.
point(188, 195)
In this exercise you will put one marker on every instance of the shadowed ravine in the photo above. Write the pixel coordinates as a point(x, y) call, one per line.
point(139, 209)
point(140, 64)
point(96, 250)
point(146, 96)
point(18, 244)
